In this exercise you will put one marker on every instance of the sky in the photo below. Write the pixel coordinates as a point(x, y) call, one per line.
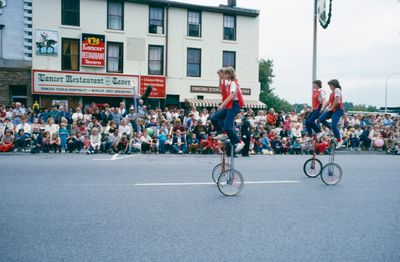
point(360, 48)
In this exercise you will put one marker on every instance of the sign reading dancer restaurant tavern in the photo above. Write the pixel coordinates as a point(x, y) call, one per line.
point(93, 50)
point(84, 84)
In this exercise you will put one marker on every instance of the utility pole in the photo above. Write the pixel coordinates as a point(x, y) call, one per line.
point(314, 70)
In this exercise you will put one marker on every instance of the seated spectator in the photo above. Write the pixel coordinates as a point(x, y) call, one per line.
point(136, 144)
point(77, 116)
point(95, 142)
point(123, 144)
point(265, 144)
point(24, 126)
point(51, 127)
point(38, 144)
point(210, 145)
point(46, 142)
point(323, 146)
point(147, 142)
point(94, 124)
point(125, 127)
point(178, 144)
point(7, 125)
point(55, 143)
point(296, 148)
point(354, 140)
point(21, 141)
point(7, 141)
point(277, 146)
point(193, 144)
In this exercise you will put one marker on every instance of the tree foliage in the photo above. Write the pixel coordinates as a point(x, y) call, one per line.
point(267, 95)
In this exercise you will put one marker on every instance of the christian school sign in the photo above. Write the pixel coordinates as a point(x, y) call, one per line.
point(84, 84)
point(93, 50)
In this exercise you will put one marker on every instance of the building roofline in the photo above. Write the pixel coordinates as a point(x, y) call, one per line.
point(216, 9)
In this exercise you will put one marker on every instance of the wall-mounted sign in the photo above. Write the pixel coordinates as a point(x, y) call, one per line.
point(215, 90)
point(158, 84)
point(93, 50)
point(46, 42)
point(83, 84)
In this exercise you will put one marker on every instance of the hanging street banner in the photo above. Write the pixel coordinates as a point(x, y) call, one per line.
point(83, 84)
point(324, 12)
point(93, 50)
point(158, 84)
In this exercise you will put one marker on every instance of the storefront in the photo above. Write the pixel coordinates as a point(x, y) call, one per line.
point(74, 88)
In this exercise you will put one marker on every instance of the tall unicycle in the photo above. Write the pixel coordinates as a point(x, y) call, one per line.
point(231, 181)
point(313, 166)
point(332, 173)
point(220, 168)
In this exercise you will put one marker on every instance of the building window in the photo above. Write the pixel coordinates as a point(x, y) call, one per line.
point(193, 62)
point(156, 20)
point(70, 12)
point(156, 60)
point(115, 57)
point(115, 15)
point(194, 24)
point(229, 27)
point(229, 59)
point(70, 54)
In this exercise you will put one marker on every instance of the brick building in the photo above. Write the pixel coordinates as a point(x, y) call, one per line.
point(15, 51)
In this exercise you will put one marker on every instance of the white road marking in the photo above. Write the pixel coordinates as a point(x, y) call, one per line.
point(113, 158)
point(211, 183)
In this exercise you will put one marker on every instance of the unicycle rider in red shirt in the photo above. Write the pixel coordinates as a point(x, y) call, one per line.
point(335, 110)
point(232, 101)
point(318, 99)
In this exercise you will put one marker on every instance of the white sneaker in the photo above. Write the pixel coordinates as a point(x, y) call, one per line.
point(339, 144)
point(222, 137)
point(239, 147)
point(320, 134)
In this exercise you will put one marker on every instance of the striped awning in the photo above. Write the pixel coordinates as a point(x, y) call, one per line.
point(216, 102)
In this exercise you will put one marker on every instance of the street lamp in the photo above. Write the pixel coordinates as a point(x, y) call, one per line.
point(387, 79)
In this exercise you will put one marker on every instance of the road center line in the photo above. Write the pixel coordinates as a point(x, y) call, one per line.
point(211, 183)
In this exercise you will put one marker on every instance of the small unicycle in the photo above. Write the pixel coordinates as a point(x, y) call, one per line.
point(230, 182)
point(313, 166)
point(331, 173)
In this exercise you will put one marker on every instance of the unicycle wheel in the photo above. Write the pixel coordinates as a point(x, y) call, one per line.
point(230, 182)
point(312, 167)
point(331, 174)
point(218, 170)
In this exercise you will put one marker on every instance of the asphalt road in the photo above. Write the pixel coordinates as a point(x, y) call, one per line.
point(76, 208)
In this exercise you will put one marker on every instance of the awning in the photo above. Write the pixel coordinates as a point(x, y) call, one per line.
point(216, 102)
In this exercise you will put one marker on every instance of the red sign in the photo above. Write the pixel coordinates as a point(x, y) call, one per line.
point(158, 84)
point(93, 50)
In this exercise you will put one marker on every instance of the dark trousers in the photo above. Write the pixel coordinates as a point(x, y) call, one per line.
point(310, 122)
point(335, 120)
point(224, 120)
point(246, 148)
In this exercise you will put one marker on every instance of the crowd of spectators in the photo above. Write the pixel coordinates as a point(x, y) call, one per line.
point(104, 129)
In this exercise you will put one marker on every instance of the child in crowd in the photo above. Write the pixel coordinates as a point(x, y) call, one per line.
point(265, 144)
point(7, 141)
point(162, 138)
point(95, 141)
point(46, 142)
point(86, 143)
point(63, 133)
point(296, 149)
point(55, 143)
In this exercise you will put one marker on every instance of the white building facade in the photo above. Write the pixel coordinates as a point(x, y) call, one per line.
point(102, 51)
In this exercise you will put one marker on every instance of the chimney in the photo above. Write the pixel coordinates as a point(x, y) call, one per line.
point(232, 3)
